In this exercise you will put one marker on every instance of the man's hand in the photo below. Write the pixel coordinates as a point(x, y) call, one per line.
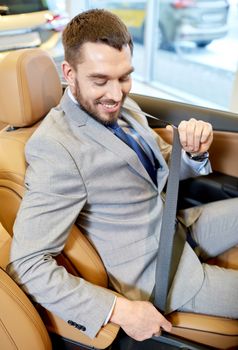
point(139, 319)
point(195, 135)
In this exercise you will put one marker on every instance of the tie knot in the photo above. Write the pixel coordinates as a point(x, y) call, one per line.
point(114, 126)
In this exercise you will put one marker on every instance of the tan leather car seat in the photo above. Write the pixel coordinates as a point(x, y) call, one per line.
point(29, 78)
point(20, 324)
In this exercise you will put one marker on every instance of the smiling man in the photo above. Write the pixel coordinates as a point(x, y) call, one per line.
point(102, 69)
point(95, 162)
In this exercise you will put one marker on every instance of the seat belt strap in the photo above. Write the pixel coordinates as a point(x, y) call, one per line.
point(164, 256)
point(168, 227)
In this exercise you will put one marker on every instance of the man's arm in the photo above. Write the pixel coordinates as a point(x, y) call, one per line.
point(54, 198)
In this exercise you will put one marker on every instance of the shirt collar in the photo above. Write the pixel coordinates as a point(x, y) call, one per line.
point(71, 96)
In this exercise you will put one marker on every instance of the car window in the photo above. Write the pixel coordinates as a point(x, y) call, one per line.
point(13, 7)
point(184, 49)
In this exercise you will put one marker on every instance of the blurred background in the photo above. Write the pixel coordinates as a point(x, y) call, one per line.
point(185, 50)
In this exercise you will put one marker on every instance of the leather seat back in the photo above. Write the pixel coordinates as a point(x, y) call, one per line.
point(30, 87)
point(20, 324)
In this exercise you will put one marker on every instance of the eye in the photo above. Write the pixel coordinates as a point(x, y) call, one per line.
point(100, 82)
point(125, 78)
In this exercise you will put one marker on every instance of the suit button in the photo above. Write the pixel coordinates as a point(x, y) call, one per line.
point(79, 326)
point(76, 325)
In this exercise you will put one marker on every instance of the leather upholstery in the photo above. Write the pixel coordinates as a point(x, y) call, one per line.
point(30, 80)
point(218, 332)
point(228, 259)
point(20, 325)
point(2, 125)
point(32, 84)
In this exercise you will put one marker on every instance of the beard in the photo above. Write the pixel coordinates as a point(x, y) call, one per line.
point(91, 108)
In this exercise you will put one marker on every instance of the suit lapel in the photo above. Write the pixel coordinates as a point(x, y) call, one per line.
point(151, 141)
point(106, 138)
point(147, 136)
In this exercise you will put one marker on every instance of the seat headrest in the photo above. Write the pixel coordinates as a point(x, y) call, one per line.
point(30, 87)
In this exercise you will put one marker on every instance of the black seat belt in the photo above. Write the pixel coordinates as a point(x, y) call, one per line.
point(168, 227)
point(164, 257)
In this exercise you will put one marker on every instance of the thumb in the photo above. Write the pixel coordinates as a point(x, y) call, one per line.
point(166, 325)
point(169, 128)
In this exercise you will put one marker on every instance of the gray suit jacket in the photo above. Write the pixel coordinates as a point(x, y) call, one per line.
point(81, 172)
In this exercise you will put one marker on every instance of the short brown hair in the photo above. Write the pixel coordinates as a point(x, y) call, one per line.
point(96, 26)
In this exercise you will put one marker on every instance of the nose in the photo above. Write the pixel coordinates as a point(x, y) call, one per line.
point(114, 91)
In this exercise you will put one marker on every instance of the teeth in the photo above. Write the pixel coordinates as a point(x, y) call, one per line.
point(109, 105)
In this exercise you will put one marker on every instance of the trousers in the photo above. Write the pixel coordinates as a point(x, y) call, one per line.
point(216, 231)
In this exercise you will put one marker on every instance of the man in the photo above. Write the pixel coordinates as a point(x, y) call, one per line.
point(81, 171)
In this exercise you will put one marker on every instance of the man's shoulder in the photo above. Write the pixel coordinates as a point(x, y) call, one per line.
point(51, 122)
point(54, 128)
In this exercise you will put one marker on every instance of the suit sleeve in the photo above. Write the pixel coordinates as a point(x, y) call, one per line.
point(55, 195)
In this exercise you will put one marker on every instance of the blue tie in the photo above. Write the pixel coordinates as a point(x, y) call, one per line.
point(131, 142)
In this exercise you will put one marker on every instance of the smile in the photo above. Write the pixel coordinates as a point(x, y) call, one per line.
point(110, 107)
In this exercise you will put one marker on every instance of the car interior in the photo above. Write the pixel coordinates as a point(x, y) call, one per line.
point(30, 87)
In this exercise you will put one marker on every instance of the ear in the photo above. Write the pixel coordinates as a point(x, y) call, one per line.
point(69, 75)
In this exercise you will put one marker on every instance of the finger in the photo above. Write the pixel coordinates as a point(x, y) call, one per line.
point(186, 134)
point(198, 132)
point(157, 334)
point(207, 133)
point(166, 325)
point(182, 129)
point(202, 137)
point(169, 127)
point(190, 133)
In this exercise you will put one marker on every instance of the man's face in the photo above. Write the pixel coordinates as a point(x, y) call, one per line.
point(102, 80)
